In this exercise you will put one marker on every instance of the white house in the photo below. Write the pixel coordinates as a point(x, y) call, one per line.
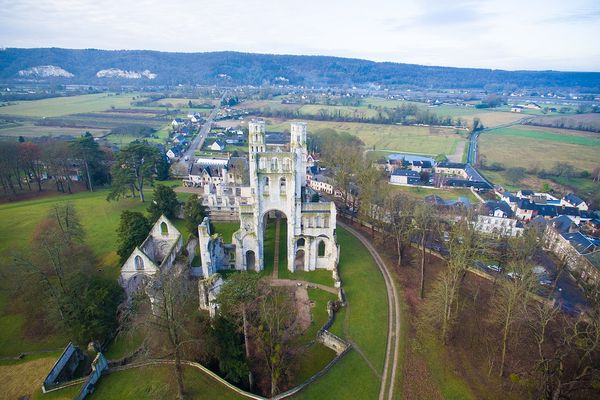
point(218, 145)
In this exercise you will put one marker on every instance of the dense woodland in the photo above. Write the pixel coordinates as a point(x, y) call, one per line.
point(232, 68)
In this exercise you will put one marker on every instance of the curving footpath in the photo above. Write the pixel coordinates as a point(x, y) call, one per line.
point(388, 378)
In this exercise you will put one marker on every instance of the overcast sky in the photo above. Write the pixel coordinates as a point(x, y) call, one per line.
point(506, 34)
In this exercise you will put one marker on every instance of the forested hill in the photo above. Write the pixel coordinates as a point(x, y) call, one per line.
point(142, 67)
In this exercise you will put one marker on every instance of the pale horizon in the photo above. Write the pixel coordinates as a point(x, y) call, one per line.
point(508, 35)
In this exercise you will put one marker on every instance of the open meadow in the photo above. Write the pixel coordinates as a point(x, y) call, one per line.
point(410, 139)
point(532, 148)
point(60, 106)
point(529, 146)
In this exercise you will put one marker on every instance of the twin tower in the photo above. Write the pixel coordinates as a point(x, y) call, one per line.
point(279, 190)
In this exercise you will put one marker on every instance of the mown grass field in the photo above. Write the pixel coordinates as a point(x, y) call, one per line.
point(364, 322)
point(524, 146)
point(411, 139)
point(60, 106)
point(446, 194)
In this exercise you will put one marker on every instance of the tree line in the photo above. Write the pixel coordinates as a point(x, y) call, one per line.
point(25, 164)
point(405, 114)
point(511, 323)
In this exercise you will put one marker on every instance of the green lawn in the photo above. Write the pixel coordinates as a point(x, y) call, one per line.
point(446, 194)
point(451, 386)
point(364, 322)
point(158, 382)
point(100, 220)
point(59, 106)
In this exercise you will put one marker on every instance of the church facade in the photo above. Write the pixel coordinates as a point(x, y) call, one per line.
point(278, 189)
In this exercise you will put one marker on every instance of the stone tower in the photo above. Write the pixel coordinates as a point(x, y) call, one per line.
point(278, 185)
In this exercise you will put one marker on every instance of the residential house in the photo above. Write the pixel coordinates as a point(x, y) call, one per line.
point(452, 169)
point(174, 152)
point(571, 200)
point(580, 253)
point(419, 166)
point(405, 177)
point(217, 145)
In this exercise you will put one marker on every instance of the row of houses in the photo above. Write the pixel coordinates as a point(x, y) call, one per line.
point(444, 174)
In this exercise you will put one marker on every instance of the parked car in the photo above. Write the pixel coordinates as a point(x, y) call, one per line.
point(494, 267)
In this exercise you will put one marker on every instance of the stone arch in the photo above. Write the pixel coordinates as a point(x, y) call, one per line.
point(299, 261)
point(139, 263)
point(250, 260)
point(300, 242)
point(164, 229)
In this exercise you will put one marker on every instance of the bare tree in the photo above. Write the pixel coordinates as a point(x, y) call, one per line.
point(171, 296)
point(399, 210)
point(510, 303)
point(273, 333)
point(425, 221)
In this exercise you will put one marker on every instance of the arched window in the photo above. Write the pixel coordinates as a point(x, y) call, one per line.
point(139, 263)
point(321, 251)
point(266, 181)
point(286, 164)
point(164, 230)
point(282, 185)
point(274, 165)
point(318, 221)
point(300, 242)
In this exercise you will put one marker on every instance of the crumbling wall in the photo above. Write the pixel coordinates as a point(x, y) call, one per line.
point(64, 367)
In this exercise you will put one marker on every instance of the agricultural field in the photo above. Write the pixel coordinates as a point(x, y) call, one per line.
point(410, 139)
point(61, 106)
point(528, 146)
point(267, 105)
point(72, 116)
point(30, 130)
point(343, 111)
point(181, 102)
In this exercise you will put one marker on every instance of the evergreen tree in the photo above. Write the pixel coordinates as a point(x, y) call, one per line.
point(132, 231)
point(164, 202)
point(193, 214)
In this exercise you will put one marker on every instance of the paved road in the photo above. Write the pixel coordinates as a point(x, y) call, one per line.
point(198, 141)
point(472, 152)
point(388, 379)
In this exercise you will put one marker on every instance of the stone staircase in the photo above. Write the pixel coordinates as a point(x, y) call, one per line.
point(275, 273)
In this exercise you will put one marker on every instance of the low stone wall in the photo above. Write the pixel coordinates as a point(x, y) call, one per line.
point(99, 366)
point(332, 341)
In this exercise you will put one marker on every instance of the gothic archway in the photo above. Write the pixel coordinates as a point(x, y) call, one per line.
point(250, 260)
